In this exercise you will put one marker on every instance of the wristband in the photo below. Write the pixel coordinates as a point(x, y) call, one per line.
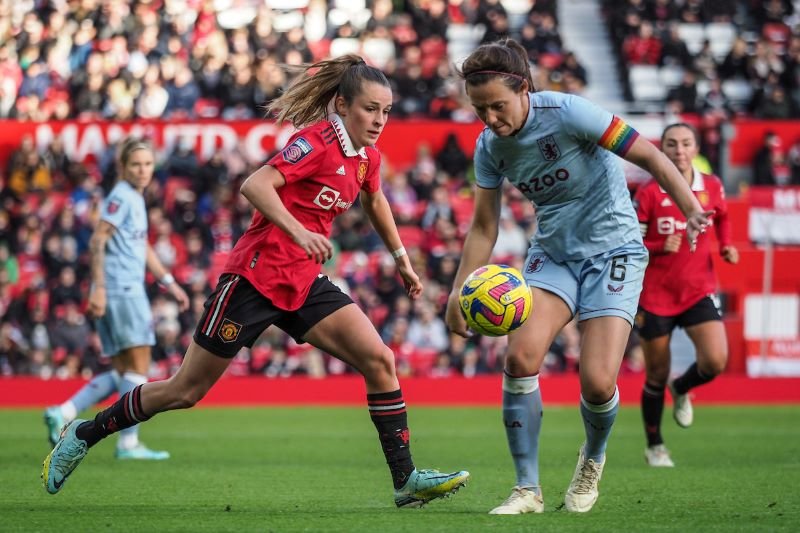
point(400, 252)
point(167, 280)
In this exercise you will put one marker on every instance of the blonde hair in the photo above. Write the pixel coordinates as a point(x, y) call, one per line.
point(130, 145)
point(306, 100)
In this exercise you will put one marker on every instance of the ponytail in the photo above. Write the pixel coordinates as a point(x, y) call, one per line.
point(306, 100)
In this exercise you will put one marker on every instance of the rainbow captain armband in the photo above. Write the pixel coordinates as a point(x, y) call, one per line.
point(618, 137)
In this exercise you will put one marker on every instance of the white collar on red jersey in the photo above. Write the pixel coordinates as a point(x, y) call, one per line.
point(344, 138)
point(698, 183)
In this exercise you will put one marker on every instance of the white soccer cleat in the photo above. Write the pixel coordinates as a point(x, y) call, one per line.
point(583, 490)
point(658, 455)
point(522, 500)
point(682, 410)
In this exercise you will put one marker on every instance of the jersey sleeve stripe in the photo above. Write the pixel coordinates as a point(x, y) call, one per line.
point(618, 137)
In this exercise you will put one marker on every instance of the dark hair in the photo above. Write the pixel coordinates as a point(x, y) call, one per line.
point(506, 59)
point(307, 99)
point(681, 125)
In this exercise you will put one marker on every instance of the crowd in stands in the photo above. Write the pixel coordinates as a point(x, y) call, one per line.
point(195, 217)
point(122, 60)
point(126, 59)
point(712, 59)
point(173, 59)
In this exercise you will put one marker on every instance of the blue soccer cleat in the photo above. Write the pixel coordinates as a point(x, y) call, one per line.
point(54, 420)
point(426, 485)
point(141, 452)
point(65, 457)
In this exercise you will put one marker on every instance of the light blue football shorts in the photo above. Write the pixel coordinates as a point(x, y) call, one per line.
point(128, 323)
point(606, 284)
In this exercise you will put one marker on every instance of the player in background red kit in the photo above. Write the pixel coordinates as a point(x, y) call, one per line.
point(678, 290)
point(273, 274)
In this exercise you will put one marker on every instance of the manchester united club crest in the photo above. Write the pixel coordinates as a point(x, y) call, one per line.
point(549, 148)
point(362, 170)
point(702, 197)
point(229, 330)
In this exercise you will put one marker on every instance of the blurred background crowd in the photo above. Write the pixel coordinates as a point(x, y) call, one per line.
point(179, 59)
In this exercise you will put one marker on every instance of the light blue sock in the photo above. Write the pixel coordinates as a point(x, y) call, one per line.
point(98, 389)
point(129, 437)
point(522, 417)
point(597, 421)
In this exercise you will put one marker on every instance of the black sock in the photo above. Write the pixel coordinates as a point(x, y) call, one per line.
point(388, 413)
point(126, 412)
point(690, 379)
point(652, 409)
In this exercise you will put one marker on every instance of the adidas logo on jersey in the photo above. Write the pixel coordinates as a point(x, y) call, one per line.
point(666, 202)
point(340, 170)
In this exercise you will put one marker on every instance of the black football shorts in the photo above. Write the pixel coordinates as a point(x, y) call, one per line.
point(236, 314)
point(652, 325)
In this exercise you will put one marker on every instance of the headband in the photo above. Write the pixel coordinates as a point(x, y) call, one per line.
point(515, 76)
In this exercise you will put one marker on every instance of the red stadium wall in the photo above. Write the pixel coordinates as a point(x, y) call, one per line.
point(259, 137)
point(256, 138)
point(349, 390)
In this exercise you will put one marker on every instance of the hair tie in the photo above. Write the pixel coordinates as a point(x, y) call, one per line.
point(497, 72)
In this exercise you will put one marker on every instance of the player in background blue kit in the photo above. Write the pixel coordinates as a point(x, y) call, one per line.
point(587, 256)
point(118, 301)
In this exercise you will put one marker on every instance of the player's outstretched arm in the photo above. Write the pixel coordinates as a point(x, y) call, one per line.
point(260, 189)
point(649, 158)
point(477, 251)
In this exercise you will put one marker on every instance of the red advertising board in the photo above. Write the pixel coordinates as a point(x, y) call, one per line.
point(256, 139)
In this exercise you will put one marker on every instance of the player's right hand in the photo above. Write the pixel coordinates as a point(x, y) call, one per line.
point(316, 245)
point(97, 302)
point(673, 243)
point(453, 317)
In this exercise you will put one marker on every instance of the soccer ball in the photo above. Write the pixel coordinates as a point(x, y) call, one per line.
point(495, 300)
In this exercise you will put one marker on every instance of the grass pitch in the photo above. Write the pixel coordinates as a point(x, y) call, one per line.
point(321, 469)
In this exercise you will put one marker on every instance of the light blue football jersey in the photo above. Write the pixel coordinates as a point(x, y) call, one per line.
point(562, 161)
point(126, 251)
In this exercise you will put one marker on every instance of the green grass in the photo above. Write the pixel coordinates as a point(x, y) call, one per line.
point(320, 469)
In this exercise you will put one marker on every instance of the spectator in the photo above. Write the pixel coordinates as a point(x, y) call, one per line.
point(643, 48)
point(452, 159)
point(427, 330)
point(734, 66)
point(776, 105)
point(770, 166)
point(685, 94)
point(152, 102)
point(66, 290)
point(183, 93)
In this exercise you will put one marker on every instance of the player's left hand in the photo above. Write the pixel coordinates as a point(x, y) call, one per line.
point(695, 225)
point(730, 254)
point(180, 295)
point(410, 279)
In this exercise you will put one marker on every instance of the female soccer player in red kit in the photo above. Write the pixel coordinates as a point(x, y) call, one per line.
point(273, 274)
point(678, 289)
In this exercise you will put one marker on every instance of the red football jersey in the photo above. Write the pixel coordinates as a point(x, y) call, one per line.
point(324, 175)
point(673, 282)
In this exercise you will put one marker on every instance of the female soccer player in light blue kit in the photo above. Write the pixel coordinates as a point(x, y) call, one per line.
point(118, 301)
point(587, 257)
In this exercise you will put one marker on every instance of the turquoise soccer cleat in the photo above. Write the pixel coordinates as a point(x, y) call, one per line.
point(141, 452)
point(54, 421)
point(64, 458)
point(426, 485)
